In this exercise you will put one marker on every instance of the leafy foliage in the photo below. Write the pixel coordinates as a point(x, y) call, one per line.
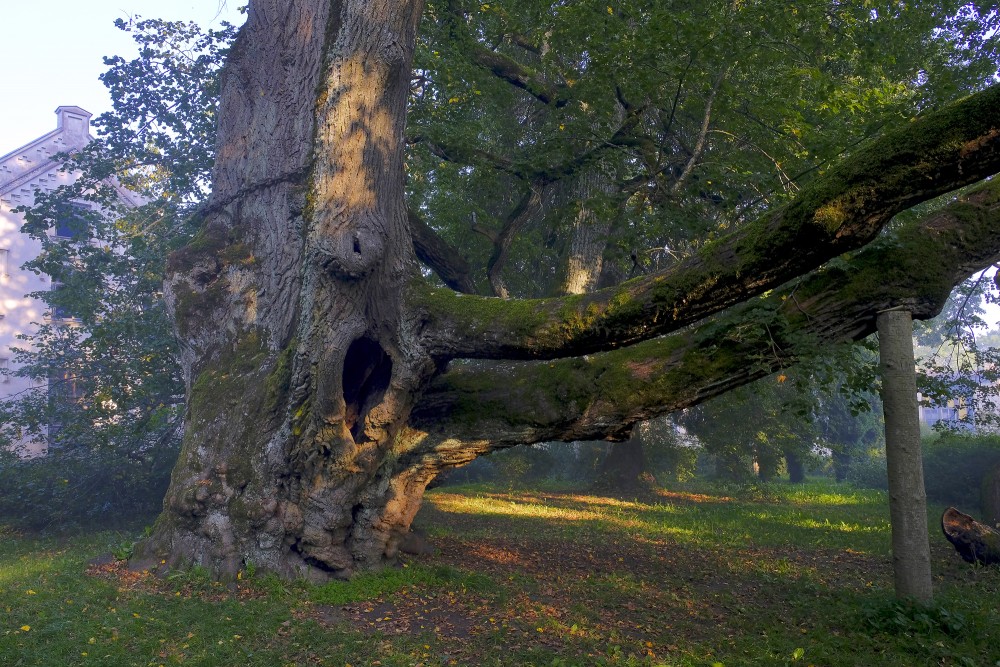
point(902, 617)
point(956, 369)
point(74, 489)
point(108, 393)
point(695, 116)
point(955, 465)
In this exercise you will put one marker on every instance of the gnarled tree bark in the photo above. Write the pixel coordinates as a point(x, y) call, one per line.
point(328, 383)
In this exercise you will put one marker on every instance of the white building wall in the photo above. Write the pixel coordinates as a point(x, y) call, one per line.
point(23, 172)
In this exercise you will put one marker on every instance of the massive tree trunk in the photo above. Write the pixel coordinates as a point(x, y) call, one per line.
point(302, 363)
point(328, 383)
point(911, 554)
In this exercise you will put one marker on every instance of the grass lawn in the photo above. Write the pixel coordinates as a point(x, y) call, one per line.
point(780, 576)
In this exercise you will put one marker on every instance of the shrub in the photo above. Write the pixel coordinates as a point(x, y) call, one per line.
point(75, 487)
point(869, 473)
point(954, 465)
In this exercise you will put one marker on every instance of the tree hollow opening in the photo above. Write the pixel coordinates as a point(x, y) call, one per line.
point(367, 371)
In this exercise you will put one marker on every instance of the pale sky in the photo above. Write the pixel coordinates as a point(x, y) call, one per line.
point(51, 54)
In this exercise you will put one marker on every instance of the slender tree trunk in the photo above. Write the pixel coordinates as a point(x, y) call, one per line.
point(623, 467)
point(911, 557)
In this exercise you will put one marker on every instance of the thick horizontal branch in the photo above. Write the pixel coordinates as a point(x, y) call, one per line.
point(839, 212)
point(477, 406)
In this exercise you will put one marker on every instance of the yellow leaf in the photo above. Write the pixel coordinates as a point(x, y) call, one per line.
point(25, 628)
point(610, 11)
point(30, 592)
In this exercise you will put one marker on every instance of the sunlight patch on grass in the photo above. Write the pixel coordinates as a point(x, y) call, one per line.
point(615, 517)
point(491, 506)
point(22, 569)
point(692, 497)
point(778, 515)
point(835, 498)
point(842, 526)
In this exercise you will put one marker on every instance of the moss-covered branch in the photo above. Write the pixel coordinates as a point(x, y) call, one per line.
point(482, 405)
point(839, 212)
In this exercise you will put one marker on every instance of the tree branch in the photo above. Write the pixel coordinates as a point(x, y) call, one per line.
point(702, 135)
point(838, 212)
point(449, 265)
point(517, 75)
point(516, 219)
point(479, 406)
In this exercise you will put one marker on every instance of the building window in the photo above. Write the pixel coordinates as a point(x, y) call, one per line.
point(73, 223)
point(65, 395)
point(59, 310)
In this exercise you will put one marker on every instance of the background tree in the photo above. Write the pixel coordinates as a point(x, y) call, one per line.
point(758, 429)
point(110, 397)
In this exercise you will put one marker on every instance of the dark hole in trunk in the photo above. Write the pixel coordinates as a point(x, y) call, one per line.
point(367, 371)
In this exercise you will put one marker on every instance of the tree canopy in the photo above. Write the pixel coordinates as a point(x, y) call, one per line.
point(671, 202)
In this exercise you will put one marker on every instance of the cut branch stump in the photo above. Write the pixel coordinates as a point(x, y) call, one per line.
point(974, 541)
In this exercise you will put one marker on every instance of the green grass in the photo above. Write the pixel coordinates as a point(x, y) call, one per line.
point(699, 575)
